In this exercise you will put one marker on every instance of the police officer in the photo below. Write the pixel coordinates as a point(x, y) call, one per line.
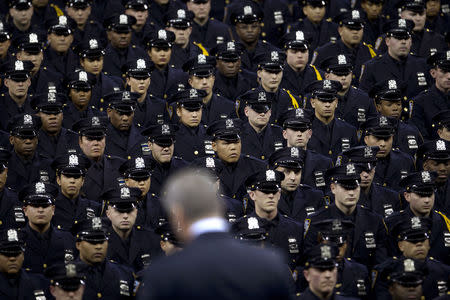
point(397, 62)
point(282, 232)
point(139, 10)
point(149, 109)
point(59, 56)
point(259, 138)
point(166, 77)
point(19, 23)
point(130, 245)
point(169, 242)
point(43, 11)
point(120, 50)
point(80, 95)
point(351, 32)
point(104, 169)
point(434, 100)
point(374, 20)
point(330, 135)
point(354, 105)
point(104, 278)
point(388, 99)
point(297, 132)
point(297, 73)
point(375, 197)
point(441, 122)
point(53, 138)
point(26, 165)
point(419, 193)
point(192, 140)
point(159, 8)
point(297, 200)
point(5, 43)
point(16, 283)
point(437, 20)
point(161, 143)
point(231, 81)
point(92, 54)
point(123, 136)
point(205, 29)
point(227, 145)
point(66, 281)
point(201, 76)
point(15, 100)
point(367, 241)
point(392, 163)
point(315, 25)
point(44, 244)
point(70, 206)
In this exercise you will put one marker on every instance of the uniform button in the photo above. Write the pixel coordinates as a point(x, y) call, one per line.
point(263, 157)
point(263, 34)
point(165, 96)
point(330, 152)
point(99, 295)
point(101, 100)
point(45, 266)
point(196, 152)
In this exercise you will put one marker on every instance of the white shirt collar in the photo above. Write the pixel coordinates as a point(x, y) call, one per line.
point(213, 224)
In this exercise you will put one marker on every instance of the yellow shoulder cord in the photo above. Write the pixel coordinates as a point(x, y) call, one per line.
point(372, 52)
point(293, 100)
point(58, 10)
point(447, 220)
point(204, 51)
point(318, 76)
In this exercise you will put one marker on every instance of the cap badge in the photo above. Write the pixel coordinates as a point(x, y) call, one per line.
point(368, 152)
point(341, 59)
point(408, 265)
point(124, 193)
point(95, 121)
point(96, 223)
point(416, 223)
point(82, 76)
point(426, 177)
point(248, 10)
point(12, 235)
point(350, 169)
point(401, 23)
point(126, 96)
point(299, 113)
point(63, 20)
point(210, 162)
point(383, 121)
point(274, 56)
point(326, 84)
point(181, 14)
point(71, 270)
point(448, 55)
point(336, 225)
point(299, 36)
point(93, 44)
point(73, 160)
point(33, 38)
point(262, 96)
point(294, 152)
point(165, 129)
point(18, 65)
point(355, 14)
point(123, 19)
point(229, 124)
point(252, 223)
point(139, 163)
point(325, 252)
point(1, 26)
point(39, 188)
point(440, 145)
point(27, 120)
point(201, 59)
point(193, 93)
point(392, 84)
point(270, 175)
point(162, 35)
point(51, 97)
point(140, 64)
point(231, 46)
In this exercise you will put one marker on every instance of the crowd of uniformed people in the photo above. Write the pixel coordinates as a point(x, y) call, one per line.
point(325, 125)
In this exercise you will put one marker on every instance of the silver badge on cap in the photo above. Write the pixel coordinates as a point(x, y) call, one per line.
point(325, 252)
point(426, 177)
point(229, 123)
point(350, 169)
point(248, 10)
point(96, 223)
point(355, 14)
point(2, 26)
point(336, 225)
point(210, 162)
point(73, 160)
point(124, 193)
point(416, 223)
point(181, 14)
point(274, 56)
point(326, 84)
point(63, 20)
point(392, 84)
point(448, 55)
point(51, 97)
point(368, 152)
point(401, 23)
point(201, 59)
point(33, 38)
point(140, 64)
point(27, 120)
point(252, 223)
point(71, 270)
point(408, 265)
point(18, 65)
point(139, 163)
point(82, 76)
point(162, 35)
point(299, 36)
point(270, 175)
point(231, 46)
point(126, 96)
point(165, 129)
point(341, 59)
point(383, 121)
point(299, 113)
point(95, 121)
point(440, 145)
point(262, 96)
point(193, 93)
point(39, 188)
point(123, 19)
point(93, 44)
point(295, 152)
point(12, 235)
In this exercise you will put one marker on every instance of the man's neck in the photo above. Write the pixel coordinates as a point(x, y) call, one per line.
point(207, 98)
point(81, 26)
point(22, 27)
point(161, 67)
point(346, 210)
point(81, 107)
point(201, 22)
point(70, 197)
point(39, 228)
point(266, 215)
point(96, 159)
point(342, 93)
point(56, 133)
point(444, 91)
point(298, 70)
point(366, 190)
point(19, 100)
point(270, 90)
point(25, 157)
point(142, 97)
point(123, 234)
point(3, 56)
point(396, 57)
point(325, 120)
point(349, 46)
point(258, 129)
point(322, 296)
point(250, 46)
point(417, 214)
point(138, 28)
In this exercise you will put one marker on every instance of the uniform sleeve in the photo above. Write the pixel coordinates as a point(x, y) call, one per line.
point(417, 118)
point(366, 80)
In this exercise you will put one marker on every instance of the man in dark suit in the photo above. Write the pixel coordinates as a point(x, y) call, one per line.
point(212, 265)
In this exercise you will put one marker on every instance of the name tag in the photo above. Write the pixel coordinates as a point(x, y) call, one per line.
point(370, 240)
point(124, 289)
point(310, 210)
point(320, 180)
point(421, 80)
point(278, 17)
point(361, 115)
point(345, 144)
point(447, 239)
point(388, 210)
point(278, 145)
point(412, 143)
point(19, 217)
point(293, 246)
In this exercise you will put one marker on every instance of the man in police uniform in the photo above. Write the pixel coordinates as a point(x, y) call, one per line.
point(434, 100)
point(16, 283)
point(330, 135)
point(21, 13)
point(123, 136)
point(149, 109)
point(437, 19)
point(26, 165)
point(297, 200)
point(297, 132)
point(419, 193)
point(441, 122)
point(201, 76)
point(282, 232)
point(392, 164)
point(374, 20)
point(259, 138)
point(66, 281)
point(161, 143)
point(104, 278)
point(367, 240)
point(297, 73)
point(5, 44)
point(192, 140)
point(139, 10)
point(53, 138)
point(119, 50)
point(227, 145)
point(104, 169)
point(166, 78)
point(44, 244)
point(231, 81)
point(397, 62)
point(70, 206)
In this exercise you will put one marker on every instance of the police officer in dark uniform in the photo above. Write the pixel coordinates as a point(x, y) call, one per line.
point(123, 137)
point(397, 62)
point(297, 73)
point(330, 135)
point(231, 81)
point(139, 10)
point(104, 169)
point(66, 281)
point(120, 50)
point(169, 243)
point(161, 143)
point(59, 57)
point(297, 200)
point(259, 138)
point(92, 55)
point(434, 100)
point(80, 94)
point(437, 20)
point(149, 109)
point(130, 245)
point(43, 11)
point(5, 44)
point(201, 76)
point(16, 283)
point(26, 165)
point(441, 122)
point(166, 78)
point(70, 206)
point(44, 244)
point(367, 241)
point(192, 141)
point(375, 197)
point(374, 20)
point(297, 133)
point(104, 278)
point(159, 8)
point(354, 105)
point(19, 19)
point(282, 232)
point(392, 163)
point(419, 193)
